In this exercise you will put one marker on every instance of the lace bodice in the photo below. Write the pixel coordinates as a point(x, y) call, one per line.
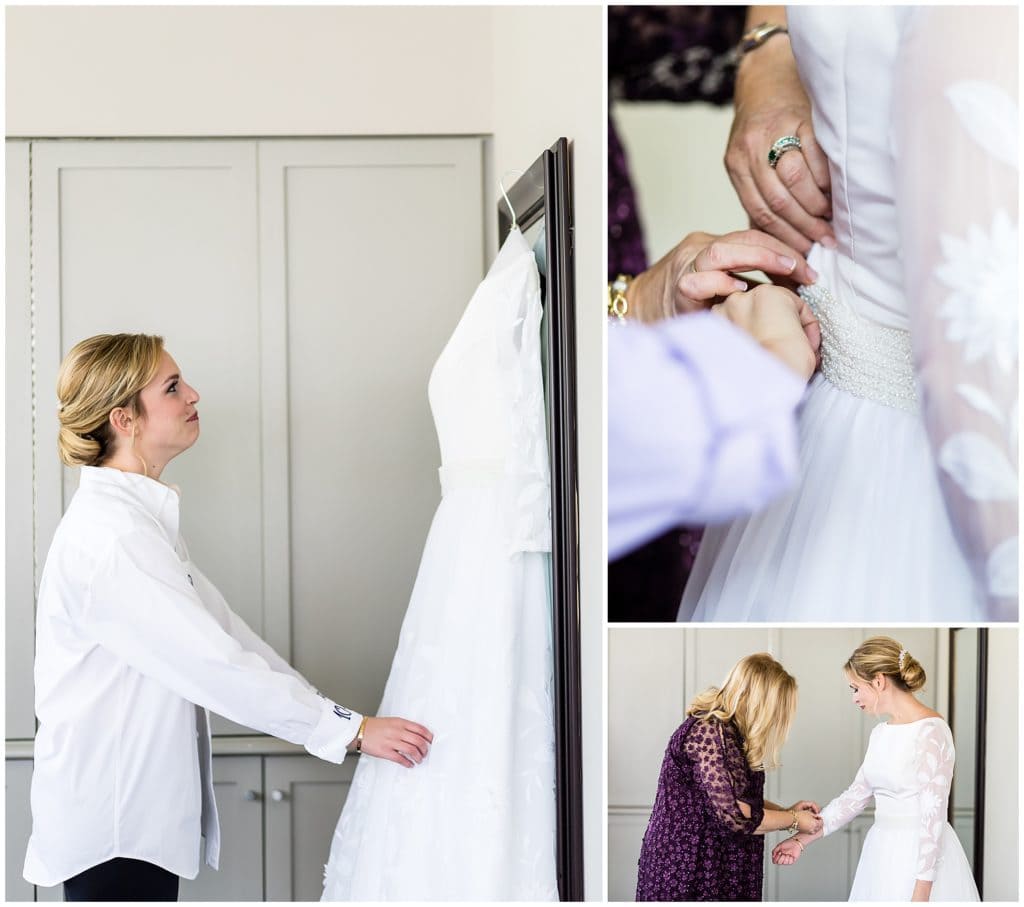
point(487, 396)
point(908, 770)
point(916, 108)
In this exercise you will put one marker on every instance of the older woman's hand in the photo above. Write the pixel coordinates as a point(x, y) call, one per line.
point(697, 272)
point(808, 821)
point(781, 322)
point(806, 804)
point(791, 202)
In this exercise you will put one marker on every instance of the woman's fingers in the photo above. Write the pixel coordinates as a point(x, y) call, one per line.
point(413, 728)
point(816, 160)
point(794, 172)
point(763, 218)
point(743, 252)
point(783, 205)
point(415, 745)
point(705, 285)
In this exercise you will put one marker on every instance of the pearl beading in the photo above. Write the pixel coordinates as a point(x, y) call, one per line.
point(861, 357)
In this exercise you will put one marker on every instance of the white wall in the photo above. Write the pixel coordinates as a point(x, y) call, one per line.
point(329, 70)
point(1002, 765)
point(255, 71)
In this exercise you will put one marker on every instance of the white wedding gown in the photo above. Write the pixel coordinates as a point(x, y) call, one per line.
point(907, 504)
point(476, 819)
point(908, 770)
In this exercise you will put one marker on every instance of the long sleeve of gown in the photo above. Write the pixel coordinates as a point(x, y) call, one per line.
point(721, 770)
point(848, 805)
point(701, 426)
point(934, 769)
point(955, 117)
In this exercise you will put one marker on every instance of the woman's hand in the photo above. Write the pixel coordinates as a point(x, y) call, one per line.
point(805, 804)
point(780, 321)
point(792, 202)
point(696, 273)
point(808, 822)
point(396, 740)
point(787, 852)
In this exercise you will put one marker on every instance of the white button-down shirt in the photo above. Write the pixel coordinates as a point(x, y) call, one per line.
point(133, 645)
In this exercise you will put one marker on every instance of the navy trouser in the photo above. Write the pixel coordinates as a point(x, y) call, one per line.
point(122, 879)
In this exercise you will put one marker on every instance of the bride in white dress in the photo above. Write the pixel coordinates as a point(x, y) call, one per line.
point(476, 819)
point(907, 505)
point(911, 852)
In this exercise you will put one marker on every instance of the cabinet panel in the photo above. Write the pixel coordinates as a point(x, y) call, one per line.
point(374, 248)
point(238, 788)
point(20, 568)
point(645, 689)
point(304, 801)
point(18, 780)
point(162, 237)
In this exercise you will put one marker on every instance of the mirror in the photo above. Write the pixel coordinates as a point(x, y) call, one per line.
point(967, 706)
point(542, 200)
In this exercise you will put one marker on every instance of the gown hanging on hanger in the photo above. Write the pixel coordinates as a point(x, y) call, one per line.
point(476, 819)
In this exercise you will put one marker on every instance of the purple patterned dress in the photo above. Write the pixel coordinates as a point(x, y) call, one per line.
point(698, 845)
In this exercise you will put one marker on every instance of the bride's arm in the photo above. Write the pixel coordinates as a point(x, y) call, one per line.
point(934, 768)
point(955, 116)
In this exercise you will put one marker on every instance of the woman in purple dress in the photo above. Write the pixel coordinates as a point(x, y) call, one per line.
point(705, 838)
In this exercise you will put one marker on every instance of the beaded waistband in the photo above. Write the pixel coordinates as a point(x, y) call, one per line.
point(861, 357)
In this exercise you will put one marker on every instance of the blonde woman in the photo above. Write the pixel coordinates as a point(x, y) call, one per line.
point(911, 852)
point(134, 644)
point(705, 838)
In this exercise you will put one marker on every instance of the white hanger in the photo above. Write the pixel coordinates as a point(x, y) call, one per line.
point(504, 194)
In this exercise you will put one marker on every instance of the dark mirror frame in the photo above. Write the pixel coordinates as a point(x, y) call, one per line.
point(545, 190)
point(979, 745)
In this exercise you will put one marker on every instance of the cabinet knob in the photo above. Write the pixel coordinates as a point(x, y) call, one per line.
point(251, 795)
point(278, 795)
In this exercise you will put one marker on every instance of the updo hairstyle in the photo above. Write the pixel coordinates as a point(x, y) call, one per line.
point(99, 375)
point(883, 655)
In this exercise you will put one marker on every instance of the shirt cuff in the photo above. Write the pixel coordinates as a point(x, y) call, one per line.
point(335, 730)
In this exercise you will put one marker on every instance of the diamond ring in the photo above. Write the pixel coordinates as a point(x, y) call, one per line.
point(780, 147)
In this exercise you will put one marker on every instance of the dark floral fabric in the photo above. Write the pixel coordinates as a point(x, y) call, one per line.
point(699, 846)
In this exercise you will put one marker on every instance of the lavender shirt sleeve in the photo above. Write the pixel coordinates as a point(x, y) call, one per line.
point(701, 426)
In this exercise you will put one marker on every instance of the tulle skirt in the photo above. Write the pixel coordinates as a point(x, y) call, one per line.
point(863, 537)
point(889, 858)
point(476, 819)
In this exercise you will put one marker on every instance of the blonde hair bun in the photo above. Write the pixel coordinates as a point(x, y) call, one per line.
point(97, 376)
point(884, 655)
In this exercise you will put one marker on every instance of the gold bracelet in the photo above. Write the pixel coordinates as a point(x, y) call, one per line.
point(795, 827)
point(618, 305)
point(359, 734)
point(756, 36)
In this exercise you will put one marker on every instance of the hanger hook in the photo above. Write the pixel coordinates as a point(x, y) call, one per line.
point(504, 194)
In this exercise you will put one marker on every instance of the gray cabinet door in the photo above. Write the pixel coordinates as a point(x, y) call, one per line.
point(19, 826)
point(238, 787)
point(18, 421)
point(370, 251)
point(162, 238)
point(304, 800)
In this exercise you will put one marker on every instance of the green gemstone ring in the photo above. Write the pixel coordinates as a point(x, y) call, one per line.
point(780, 147)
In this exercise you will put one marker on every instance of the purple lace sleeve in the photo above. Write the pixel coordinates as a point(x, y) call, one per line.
point(721, 769)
